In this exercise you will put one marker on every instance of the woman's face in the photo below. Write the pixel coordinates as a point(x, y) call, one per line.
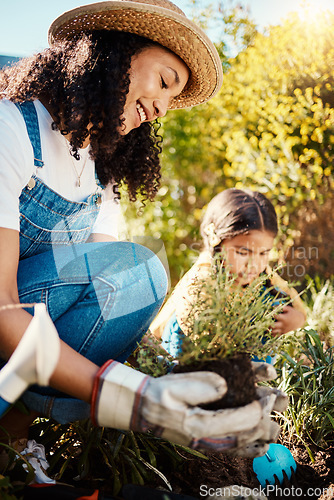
point(156, 76)
point(247, 255)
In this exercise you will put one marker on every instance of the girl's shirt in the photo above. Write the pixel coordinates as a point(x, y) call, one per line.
point(185, 292)
point(60, 171)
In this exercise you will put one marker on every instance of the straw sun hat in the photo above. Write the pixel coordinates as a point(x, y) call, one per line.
point(160, 21)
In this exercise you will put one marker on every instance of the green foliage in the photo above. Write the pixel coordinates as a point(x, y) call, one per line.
point(99, 457)
point(238, 29)
point(320, 315)
point(82, 454)
point(226, 319)
point(99, 454)
point(151, 358)
point(7, 489)
point(308, 381)
point(270, 128)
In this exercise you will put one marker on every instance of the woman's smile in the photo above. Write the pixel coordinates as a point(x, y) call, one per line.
point(156, 76)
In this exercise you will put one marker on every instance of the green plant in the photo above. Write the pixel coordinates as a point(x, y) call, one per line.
point(320, 315)
point(151, 358)
point(7, 489)
point(308, 381)
point(15, 472)
point(103, 458)
point(226, 319)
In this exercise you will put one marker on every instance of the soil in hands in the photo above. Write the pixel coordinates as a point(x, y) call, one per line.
point(314, 480)
point(239, 376)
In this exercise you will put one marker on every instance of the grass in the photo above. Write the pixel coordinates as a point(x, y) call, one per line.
point(307, 378)
point(321, 308)
point(226, 319)
point(81, 454)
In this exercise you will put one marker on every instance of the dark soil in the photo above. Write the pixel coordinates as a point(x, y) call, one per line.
point(238, 374)
point(194, 475)
point(312, 481)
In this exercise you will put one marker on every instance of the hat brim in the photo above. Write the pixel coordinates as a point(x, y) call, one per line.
point(164, 26)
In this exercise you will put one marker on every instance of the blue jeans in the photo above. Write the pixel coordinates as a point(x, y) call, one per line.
point(101, 297)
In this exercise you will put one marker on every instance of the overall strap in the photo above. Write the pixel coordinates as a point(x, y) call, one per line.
point(97, 180)
point(29, 114)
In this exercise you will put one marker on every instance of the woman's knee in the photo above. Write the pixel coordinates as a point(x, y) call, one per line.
point(153, 269)
point(136, 274)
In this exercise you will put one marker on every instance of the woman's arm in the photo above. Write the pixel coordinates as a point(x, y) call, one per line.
point(74, 374)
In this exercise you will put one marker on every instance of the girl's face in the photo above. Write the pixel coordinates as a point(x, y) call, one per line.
point(156, 76)
point(247, 255)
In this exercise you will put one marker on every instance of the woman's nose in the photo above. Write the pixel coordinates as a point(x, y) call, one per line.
point(161, 106)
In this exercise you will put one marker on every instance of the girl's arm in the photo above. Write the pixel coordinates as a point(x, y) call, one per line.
point(288, 320)
point(183, 297)
point(283, 285)
point(74, 374)
point(294, 315)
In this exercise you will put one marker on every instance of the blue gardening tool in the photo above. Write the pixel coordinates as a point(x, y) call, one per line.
point(275, 467)
point(33, 361)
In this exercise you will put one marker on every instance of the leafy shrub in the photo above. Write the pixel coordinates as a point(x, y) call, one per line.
point(227, 319)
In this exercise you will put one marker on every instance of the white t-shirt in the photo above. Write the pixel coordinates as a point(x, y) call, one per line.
point(60, 171)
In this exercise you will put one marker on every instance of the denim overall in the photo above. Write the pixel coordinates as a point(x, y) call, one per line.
point(101, 297)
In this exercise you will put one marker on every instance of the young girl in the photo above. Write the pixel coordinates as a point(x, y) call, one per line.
point(243, 224)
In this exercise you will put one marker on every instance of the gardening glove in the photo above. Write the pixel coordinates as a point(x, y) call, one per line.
point(167, 406)
point(271, 399)
point(34, 359)
point(263, 373)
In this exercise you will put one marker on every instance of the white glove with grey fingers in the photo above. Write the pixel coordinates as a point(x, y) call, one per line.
point(124, 398)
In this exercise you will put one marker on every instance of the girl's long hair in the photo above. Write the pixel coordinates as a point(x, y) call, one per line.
point(236, 211)
point(86, 81)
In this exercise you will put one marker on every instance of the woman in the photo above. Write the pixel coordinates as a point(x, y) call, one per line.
point(84, 107)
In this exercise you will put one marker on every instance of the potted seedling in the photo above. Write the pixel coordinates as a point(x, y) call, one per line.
point(227, 326)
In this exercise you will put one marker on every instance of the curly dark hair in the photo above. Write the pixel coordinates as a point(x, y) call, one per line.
point(85, 81)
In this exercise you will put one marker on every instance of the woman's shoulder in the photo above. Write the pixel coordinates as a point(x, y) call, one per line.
point(10, 113)
point(16, 150)
point(13, 130)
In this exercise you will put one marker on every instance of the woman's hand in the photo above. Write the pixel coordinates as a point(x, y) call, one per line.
point(168, 407)
point(289, 319)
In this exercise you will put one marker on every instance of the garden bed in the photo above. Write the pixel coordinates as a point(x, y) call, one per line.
point(222, 470)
